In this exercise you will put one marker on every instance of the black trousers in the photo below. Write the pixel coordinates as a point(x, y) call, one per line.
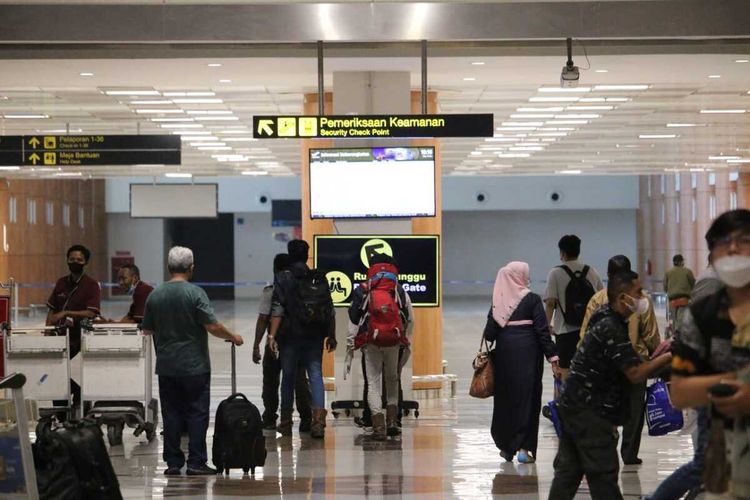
point(567, 345)
point(588, 445)
point(633, 427)
point(366, 412)
point(271, 380)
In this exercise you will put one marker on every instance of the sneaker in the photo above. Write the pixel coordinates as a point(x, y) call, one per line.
point(173, 471)
point(525, 457)
point(203, 470)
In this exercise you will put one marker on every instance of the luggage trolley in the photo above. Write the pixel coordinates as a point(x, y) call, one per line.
point(117, 379)
point(41, 354)
point(17, 473)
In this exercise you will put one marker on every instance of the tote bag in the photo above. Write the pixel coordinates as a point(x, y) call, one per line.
point(661, 417)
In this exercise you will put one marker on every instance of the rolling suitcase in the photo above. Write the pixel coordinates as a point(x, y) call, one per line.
point(238, 432)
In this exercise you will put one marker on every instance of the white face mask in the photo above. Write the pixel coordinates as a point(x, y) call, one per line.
point(733, 270)
point(640, 306)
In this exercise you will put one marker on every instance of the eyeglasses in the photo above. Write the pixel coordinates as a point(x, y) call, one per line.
point(742, 241)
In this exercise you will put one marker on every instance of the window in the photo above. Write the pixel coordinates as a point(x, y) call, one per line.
point(677, 210)
point(50, 209)
point(81, 218)
point(732, 200)
point(663, 212)
point(694, 210)
point(712, 207)
point(677, 183)
point(66, 215)
point(31, 211)
point(13, 209)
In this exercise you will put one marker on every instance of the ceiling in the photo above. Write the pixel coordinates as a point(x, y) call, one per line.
point(623, 131)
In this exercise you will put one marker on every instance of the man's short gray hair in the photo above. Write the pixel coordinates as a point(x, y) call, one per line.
point(179, 259)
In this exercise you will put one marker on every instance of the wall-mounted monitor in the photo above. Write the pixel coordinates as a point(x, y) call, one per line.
point(372, 182)
point(285, 213)
point(174, 200)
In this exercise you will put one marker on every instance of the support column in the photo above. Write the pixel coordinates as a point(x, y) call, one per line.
point(743, 190)
point(659, 234)
point(703, 193)
point(644, 222)
point(723, 188)
point(687, 226)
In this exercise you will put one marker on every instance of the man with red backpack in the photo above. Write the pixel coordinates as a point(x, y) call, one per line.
point(380, 316)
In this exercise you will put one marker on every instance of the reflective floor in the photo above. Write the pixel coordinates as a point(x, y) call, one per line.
point(446, 453)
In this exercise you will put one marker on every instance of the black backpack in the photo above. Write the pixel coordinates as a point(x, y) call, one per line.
point(238, 436)
point(312, 305)
point(578, 292)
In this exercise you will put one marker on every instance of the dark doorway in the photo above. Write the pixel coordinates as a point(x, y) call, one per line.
point(212, 242)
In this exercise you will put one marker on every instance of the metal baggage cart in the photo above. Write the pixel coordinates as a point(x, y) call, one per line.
point(117, 379)
point(17, 473)
point(41, 354)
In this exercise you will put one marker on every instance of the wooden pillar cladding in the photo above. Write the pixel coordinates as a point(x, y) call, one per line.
point(428, 322)
point(37, 249)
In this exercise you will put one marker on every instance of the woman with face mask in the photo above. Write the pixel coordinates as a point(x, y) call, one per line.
point(518, 326)
point(713, 347)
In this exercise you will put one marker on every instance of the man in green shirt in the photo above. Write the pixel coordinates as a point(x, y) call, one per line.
point(678, 283)
point(178, 315)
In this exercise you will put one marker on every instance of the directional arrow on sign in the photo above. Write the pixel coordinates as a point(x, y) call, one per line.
point(34, 158)
point(264, 127)
point(34, 142)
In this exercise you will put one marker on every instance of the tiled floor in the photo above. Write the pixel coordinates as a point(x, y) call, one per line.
point(446, 453)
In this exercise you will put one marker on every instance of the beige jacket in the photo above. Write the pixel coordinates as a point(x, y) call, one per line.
point(642, 329)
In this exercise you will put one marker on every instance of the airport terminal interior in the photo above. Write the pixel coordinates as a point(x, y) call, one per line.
point(453, 136)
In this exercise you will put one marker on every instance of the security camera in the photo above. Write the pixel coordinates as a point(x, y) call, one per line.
point(570, 73)
point(554, 196)
point(481, 197)
point(263, 199)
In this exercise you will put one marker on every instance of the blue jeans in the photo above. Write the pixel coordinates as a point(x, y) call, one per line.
point(688, 476)
point(308, 354)
point(185, 408)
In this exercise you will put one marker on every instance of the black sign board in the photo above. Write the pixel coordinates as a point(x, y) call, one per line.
point(372, 126)
point(345, 260)
point(90, 150)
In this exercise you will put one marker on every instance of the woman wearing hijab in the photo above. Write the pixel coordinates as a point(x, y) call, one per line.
point(518, 326)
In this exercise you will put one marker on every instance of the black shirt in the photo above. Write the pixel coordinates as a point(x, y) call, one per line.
point(596, 380)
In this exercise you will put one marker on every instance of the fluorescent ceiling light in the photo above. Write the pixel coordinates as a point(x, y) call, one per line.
point(553, 99)
point(722, 157)
point(239, 139)
point(217, 118)
point(604, 99)
point(550, 134)
point(476, 153)
point(254, 172)
point(657, 136)
point(500, 139)
point(477, 63)
point(191, 132)
point(225, 80)
point(131, 92)
point(531, 115)
point(189, 94)
point(741, 160)
point(741, 60)
point(198, 100)
point(204, 142)
point(60, 131)
point(196, 138)
point(569, 172)
point(158, 111)
point(24, 116)
point(522, 124)
point(513, 155)
point(214, 65)
point(181, 125)
point(208, 112)
point(214, 148)
point(601, 71)
point(589, 108)
point(178, 175)
point(679, 125)
point(469, 79)
point(164, 120)
point(722, 111)
point(85, 73)
point(564, 89)
point(526, 148)
point(553, 109)
point(10, 168)
point(567, 122)
point(714, 76)
point(68, 174)
point(549, 139)
point(578, 116)
point(512, 129)
point(621, 87)
point(557, 129)
point(165, 101)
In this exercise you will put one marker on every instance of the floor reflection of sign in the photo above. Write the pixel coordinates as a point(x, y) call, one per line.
point(345, 260)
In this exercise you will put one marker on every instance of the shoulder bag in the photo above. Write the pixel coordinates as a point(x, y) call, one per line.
point(483, 380)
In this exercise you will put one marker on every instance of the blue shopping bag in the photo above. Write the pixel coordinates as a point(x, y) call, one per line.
point(661, 417)
point(552, 405)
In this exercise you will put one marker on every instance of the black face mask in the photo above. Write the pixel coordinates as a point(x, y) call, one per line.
point(75, 267)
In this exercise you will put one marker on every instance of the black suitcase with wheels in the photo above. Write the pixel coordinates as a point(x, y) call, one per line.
point(238, 432)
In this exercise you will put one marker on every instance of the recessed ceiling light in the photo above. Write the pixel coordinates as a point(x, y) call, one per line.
point(226, 80)
point(677, 125)
point(602, 71)
point(657, 136)
point(741, 60)
point(469, 79)
point(24, 116)
point(477, 63)
point(254, 172)
point(178, 175)
point(564, 89)
point(569, 172)
point(714, 76)
point(554, 99)
point(722, 111)
point(214, 65)
point(86, 74)
point(621, 87)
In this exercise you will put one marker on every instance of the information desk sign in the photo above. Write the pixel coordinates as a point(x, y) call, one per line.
point(90, 150)
point(345, 260)
point(372, 126)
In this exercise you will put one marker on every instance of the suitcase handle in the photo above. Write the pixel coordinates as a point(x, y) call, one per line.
point(237, 395)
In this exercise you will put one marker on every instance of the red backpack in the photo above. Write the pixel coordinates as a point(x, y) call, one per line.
point(382, 309)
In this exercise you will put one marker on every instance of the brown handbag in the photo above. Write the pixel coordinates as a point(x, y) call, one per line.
point(483, 380)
